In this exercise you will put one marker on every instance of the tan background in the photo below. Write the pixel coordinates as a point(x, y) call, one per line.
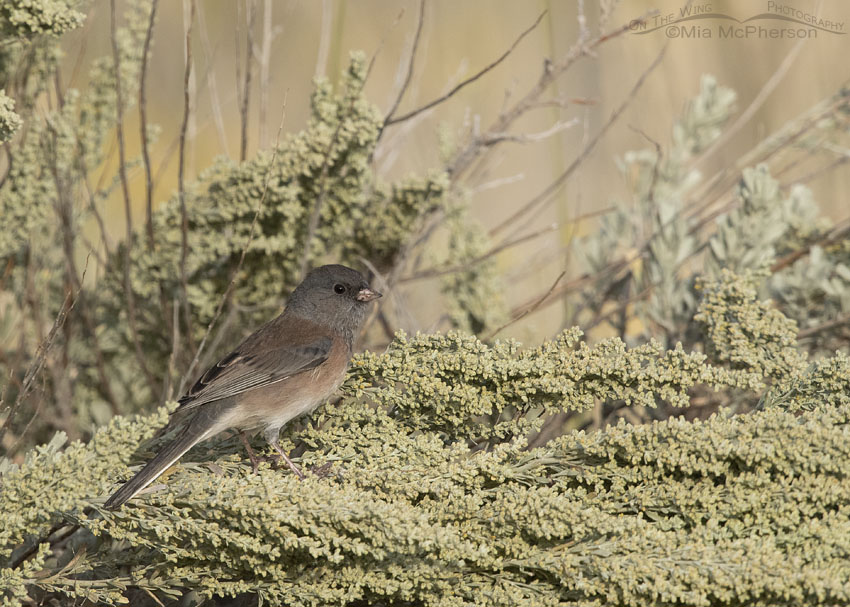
point(458, 38)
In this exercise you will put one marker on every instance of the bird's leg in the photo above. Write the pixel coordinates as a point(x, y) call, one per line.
point(255, 464)
point(292, 466)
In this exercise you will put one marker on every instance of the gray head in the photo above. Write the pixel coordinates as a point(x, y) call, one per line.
point(334, 296)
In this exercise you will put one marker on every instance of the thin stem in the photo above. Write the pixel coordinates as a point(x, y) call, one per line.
point(215, 98)
point(41, 356)
point(468, 81)
point(528, 310)
point(409, 75)
point(181, 169)
point(245, 101)
point(265, 62)
point(551, 71)
point(226, 295)
point(125, 189)
point(756, 103)
point(553, 187)
point(143, 125)
point(324, 39)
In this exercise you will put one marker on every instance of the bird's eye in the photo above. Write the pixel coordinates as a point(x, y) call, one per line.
point(339, 289)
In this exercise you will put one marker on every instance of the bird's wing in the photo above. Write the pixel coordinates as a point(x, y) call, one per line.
point(239, 372)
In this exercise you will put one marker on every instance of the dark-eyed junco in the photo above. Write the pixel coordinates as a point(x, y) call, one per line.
point(286, 368)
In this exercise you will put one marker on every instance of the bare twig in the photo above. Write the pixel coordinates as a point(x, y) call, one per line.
point(837, 233)
point(167, 388)
point(62, 391)
point(265, 62)
point(388, 151)
point(841, 321)
point(470, 151)
point(107, 162)
point(64, 209)
point(551, 70)
point(497, 183)
point(41, 355)
point(819, 142)
point(172, 146)
point(724, 179)
point(125, 188)
point(324, 39)
point(527, 311)
point(583, 30)
point(576, 283)
point(380, 282)
point(381, 43)
point(469, 80)
point(245, 101)
point(553, 187)
point(101, 224)
point(659, 154)
point(407, 78)
point(143, 125)
point(621, 307)
point(226, 295)
point(57, 87)
point(146, 159)
point(755, 104)
point(564, 102)
point(7, 156)
point(188, 22)
point(435, 272)
point(215, 98)
point(820, 171)
point(562, 125)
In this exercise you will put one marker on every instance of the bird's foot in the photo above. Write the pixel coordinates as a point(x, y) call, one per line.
point(255, 462)
point(288, 461)
point(324, 470)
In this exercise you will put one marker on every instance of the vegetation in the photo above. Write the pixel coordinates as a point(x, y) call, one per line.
point(697, 457)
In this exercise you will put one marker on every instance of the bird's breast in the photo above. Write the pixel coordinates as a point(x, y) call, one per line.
point(275, 404)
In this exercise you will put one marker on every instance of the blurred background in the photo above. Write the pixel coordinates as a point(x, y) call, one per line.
point(592, 161)
point(295, 41)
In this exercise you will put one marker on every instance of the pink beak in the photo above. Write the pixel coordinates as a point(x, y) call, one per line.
point(367, 294)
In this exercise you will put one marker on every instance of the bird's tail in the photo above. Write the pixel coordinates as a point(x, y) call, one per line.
point(197, 429)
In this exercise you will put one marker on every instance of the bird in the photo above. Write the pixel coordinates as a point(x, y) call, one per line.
point(286, 368)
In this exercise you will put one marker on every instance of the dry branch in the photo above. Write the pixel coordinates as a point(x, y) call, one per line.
point(143, 125)
point(125, 189)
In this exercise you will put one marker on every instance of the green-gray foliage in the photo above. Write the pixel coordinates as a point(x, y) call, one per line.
point(763, 223)
point(323, 169)
point(664, 188)
point(9, 120)
point(407, 505)
point(450, 393)
point(327, 165)
point(46, 199)
point(816, 290)
point(474, 294)
point(24, 20)
point(28, 18)
point(745, 333)
point(661, 183)
point(421, 489)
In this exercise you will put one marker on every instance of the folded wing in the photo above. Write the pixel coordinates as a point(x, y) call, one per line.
point(238, 372)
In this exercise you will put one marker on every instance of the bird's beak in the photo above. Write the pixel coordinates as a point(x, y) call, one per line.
point(367, 294)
